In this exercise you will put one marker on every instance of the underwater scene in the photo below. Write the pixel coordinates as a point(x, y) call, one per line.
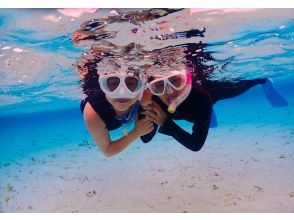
point(146, 110)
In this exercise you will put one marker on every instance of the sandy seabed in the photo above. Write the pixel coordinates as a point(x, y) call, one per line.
point(240, 169)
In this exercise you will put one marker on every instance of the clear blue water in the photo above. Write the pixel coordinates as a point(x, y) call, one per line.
point(40, 92)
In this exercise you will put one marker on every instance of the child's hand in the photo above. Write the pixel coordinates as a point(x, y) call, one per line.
point(143, 126)
point(146, 99)
point(155, 113)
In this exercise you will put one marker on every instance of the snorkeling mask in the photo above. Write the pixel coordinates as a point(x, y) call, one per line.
point(177, 80)
point(121, 85)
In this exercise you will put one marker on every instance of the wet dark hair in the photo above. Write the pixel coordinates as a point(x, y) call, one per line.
point(89, 81)
point(196, 58)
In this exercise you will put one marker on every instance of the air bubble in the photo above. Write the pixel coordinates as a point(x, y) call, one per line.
point(135, 30)
point(113, 12)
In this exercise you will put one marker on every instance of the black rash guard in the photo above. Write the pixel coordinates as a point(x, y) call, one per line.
point(197, 109)
point(105, 110)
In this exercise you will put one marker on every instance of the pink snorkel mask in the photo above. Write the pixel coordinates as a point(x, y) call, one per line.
point(177, 80)
point(179, 99)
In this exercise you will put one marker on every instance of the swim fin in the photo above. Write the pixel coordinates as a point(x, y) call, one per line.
point(273, 95)
point(213, 120)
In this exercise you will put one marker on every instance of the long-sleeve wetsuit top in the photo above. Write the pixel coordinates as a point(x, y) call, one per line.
point(106, 112)
point(197, 109)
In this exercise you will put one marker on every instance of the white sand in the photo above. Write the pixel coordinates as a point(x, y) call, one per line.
point(241, 168)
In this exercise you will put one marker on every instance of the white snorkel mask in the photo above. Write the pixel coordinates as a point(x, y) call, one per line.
point(122, 85)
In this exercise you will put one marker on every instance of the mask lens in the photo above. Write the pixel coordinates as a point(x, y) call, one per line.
point(112, 83)
point(132, 83)
point(157, 87)
point(177, 81)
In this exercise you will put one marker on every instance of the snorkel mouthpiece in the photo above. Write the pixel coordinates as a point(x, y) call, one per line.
point(179, 99)
point(171, 108)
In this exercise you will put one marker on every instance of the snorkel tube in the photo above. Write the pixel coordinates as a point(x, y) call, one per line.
point(180, 98)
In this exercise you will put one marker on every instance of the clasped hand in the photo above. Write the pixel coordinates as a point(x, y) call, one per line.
point(155, 113)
